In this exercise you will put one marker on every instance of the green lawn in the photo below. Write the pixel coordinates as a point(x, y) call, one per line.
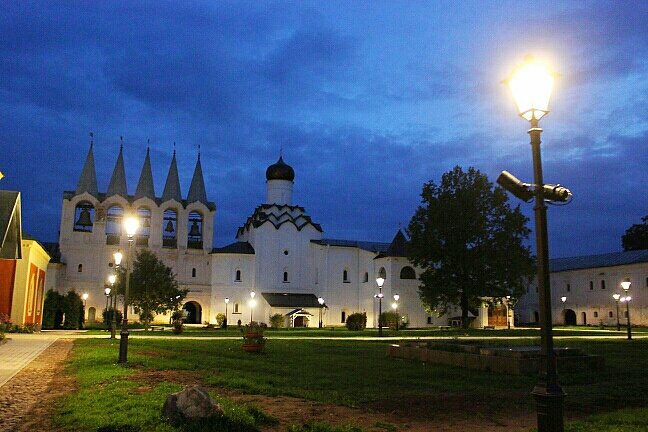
point(351, 373)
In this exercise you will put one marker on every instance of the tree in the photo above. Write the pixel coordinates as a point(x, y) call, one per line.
point(636, 237)
point(153, 287)
point(469, 243)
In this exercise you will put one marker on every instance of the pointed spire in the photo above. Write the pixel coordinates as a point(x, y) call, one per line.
point(117, 184)
point(197, 189)
point(88, 179)
point(145, 186)
point(172, 186)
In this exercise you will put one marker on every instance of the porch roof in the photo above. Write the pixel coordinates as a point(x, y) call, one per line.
point(292, 300)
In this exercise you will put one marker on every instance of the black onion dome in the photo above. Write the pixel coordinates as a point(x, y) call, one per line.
point(280, 171)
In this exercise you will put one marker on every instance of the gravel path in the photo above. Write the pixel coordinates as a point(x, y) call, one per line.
point(27, 399)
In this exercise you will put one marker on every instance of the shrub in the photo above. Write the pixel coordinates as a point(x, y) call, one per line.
point(390, 319)
point(108, 316)
point(357, 321)
point(220, 319)
point(52, 310)
point(177, 319)
point(58, 308)
point(277, 320)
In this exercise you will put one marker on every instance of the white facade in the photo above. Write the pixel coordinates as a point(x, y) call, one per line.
point(588, 284)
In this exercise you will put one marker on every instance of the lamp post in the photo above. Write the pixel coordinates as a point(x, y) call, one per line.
point(131, 225)
point(626, 286)
point(225, 321)
point(508, 303)
point(320, 300)
point(395, 308)
point(252, 303)
point(111, 280)
point(117, 256)
point(563, 299)
point(616, 298)
point(531, 85)
point(85, 299)
point(107, 293)
point(380, 281)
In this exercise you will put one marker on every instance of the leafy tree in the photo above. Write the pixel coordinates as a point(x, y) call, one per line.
point(469, 243)
point(636, 237)
point(277, 321)
point(153, 287)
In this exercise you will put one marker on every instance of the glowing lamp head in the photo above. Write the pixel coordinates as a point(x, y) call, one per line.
point(131, 225)
point(394, 306)
point(226, 299)
point(252, 294)
point(84, 296)
point(563, 299)
point(118, 257)
point(396, 297)
point(531, 84)
point(107, 291)
point(112, 278)
point(616, 297)
point(380, 281)
point(320, 300)
point(626, 285)
point(252, 303)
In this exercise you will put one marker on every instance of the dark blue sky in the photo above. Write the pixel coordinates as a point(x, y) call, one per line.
point(368, 99)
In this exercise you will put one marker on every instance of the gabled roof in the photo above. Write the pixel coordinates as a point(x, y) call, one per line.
point(145, 186)
point(397, 248)
point(172, 185)
point(260, 217)
point(117, 184)
point(298, 311)
point(291, 300)
point(600, 260)
point(88, 179)
point(197, 190)
point(235, 248)
point(10, 225)
point(364, 245)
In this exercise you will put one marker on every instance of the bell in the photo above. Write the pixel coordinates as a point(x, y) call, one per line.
point(84, 218)
point(169, 227)
point(194, 231)
point(147, 222)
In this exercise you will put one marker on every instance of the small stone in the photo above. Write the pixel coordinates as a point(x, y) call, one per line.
point(191, 404)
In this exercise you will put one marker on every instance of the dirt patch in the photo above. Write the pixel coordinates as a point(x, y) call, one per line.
point(28, 400)
point(151, 378)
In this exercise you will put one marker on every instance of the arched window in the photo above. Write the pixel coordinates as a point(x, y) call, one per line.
point(407, 272)
point(114, 218)
point(144, 232)
point(345, 276)
point(602, 284)
point(84, 214)
point(611, 314)
point(193, 272)
point(80, 268)
point(366, 277)
point(236, 308)
point(170, 229)
point(237, 277)
point(195, 227)
point(285, 276)
point(382, 273)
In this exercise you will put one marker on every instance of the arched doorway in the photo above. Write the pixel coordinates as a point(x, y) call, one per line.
point(570, 317)
point(584, 316)
point(301, 321)
point(194, 312)
point(92, 312)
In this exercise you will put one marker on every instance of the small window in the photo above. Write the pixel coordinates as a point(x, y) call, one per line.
point(536, 288)
point(343, 317)
point(345, 276)
point(110, 264)
point(238, 276)
point(611, 314)
point(595, 314)
point(236, 308)
point(568, 287)
point(407, 273)
point(591, 285)
point(80, 268)
point(602, 284)
point(429, 321)
point(286, 252)
point(366, 277)
point(625, 314)
point(193, 272)
point(285, 276)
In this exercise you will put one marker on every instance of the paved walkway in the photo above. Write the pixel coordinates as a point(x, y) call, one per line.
point(19, 350)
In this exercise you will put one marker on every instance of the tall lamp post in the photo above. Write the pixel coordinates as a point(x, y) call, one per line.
point(380, 281)
point(395, 308)
point(531, 84)
point(252, 303)
point(111, 280)
point(320, 300)
point(616, 298)
point(107, 293)
point(225, 321)
point(131, 225)
point(117, 256)
point(626, 286)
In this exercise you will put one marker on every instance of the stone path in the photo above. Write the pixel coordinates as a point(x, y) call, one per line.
point(19, 351)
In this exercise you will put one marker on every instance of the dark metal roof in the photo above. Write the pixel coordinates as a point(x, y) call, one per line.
point(260, 217)
point(53, 250)
point(298, 311)
point(235, 248)
point(364, 245)
point(10, 225)
point(397, 248)
point(291, 300)
point(601, 260)
point(280, 171)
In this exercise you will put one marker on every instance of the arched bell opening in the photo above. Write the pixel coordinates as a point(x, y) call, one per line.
point(195, 229)
point(84, 215)
point(144, 231)
point(114, 219)
point(170, 229)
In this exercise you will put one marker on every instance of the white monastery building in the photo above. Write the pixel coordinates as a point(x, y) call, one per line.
point(279, 253)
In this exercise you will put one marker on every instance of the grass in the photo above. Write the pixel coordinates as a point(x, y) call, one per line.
point(351, 373)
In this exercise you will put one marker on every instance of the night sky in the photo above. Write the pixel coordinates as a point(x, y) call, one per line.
point(368, 100)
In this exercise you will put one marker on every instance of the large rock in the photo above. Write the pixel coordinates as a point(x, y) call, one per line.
point(191, 404)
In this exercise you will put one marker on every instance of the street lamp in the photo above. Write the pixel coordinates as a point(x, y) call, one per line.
point(107, 293)
point(626, 286)
point(380, 281)
point(117, 257)
point(85, 299)
point(531, 84)
point(508, 312)
point(131, 224)
point(616, 298)
point(111, 321)
point(395, 308)
point(320, 300)
point(225, 321)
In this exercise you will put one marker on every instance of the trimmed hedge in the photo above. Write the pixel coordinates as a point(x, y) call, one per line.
point(356, 321)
